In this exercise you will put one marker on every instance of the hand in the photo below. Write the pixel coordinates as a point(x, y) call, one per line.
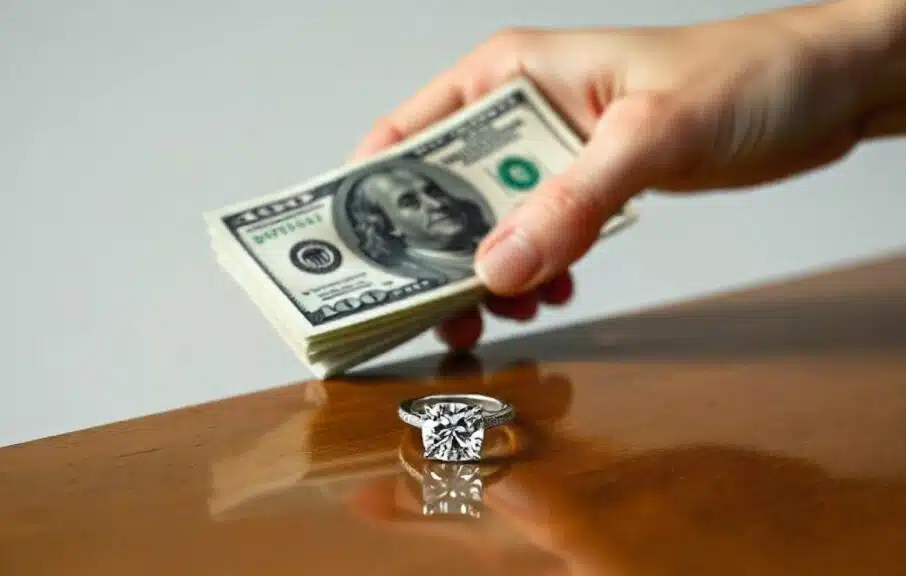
point(724, 104)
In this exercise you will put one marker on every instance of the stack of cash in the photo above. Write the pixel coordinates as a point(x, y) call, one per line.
point(364, 258)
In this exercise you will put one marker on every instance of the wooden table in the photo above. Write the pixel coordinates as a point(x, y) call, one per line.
point(758, 433)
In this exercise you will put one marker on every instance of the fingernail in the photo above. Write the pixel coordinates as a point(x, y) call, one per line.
point(510, 263)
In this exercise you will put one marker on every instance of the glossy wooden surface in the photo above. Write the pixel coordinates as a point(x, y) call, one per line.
point(761, 433)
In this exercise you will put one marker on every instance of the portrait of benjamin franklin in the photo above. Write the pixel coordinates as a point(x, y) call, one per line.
point(414, 219)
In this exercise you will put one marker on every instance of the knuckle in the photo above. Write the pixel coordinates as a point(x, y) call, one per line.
point(509, 40)
point(567, 203)
point(475, 84)
point(636, 115)
point(387, 127)
point(491, 61)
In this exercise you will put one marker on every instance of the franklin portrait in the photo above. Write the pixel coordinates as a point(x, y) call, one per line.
point(415, 219)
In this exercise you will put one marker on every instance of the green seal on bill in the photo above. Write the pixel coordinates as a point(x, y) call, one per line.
point(519, 173)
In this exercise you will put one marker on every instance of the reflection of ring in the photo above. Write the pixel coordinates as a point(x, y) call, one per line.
point(429, 468)
point(453, 425)
point(449, 489)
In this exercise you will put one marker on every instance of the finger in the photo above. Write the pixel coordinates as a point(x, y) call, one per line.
point(440, 98)
point(489, 66)
point(558, 291)
point(462, 331)
point(382, 135)
point(523, 307)
point(636, 139)
point(462, 364)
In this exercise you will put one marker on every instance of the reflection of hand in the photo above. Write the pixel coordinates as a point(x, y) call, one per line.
point(716, 105)
point(396, 505)
point(696, 510)
point(525, 507)
point(707, 511)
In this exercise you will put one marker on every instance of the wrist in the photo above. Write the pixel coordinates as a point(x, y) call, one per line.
point(866, 42)
point(874, 27)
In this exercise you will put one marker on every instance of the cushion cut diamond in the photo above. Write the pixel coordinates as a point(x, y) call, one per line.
point(453, 431)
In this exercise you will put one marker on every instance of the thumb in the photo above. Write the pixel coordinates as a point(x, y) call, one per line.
point(636, 138)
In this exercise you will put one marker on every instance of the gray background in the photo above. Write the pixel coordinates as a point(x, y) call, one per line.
point(121, 122)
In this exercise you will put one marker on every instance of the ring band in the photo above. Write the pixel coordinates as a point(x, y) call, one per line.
point(453, 425)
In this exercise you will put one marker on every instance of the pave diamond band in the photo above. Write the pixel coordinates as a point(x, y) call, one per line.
point(494, 411)
point(453, 425)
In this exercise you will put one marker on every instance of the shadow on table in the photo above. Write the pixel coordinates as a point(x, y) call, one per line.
point(844, 312)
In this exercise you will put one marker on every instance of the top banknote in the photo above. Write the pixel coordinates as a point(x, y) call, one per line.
point(377, 238)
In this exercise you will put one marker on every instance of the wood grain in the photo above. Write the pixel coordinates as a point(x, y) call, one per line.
point(756, 433)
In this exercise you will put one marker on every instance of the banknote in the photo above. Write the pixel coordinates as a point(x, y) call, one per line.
point(352, 263)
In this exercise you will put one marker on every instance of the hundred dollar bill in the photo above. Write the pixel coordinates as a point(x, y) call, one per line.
point(367, 256)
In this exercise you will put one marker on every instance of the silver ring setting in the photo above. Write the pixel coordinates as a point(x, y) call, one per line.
point(453, 425)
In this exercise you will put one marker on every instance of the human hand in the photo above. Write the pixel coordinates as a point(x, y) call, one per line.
point(725, 104)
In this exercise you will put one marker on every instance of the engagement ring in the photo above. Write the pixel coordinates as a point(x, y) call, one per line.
point(453, 425)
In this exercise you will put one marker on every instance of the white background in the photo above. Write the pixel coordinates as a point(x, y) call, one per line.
point(121, 122)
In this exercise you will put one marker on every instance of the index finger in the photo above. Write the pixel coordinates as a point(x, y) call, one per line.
point(440, 98)
point(474, 76)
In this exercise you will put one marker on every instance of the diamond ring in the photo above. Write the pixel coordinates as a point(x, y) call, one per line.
point(453, 425)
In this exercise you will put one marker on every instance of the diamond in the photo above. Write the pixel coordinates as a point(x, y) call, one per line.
point(453, 432)
point(451, 489)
